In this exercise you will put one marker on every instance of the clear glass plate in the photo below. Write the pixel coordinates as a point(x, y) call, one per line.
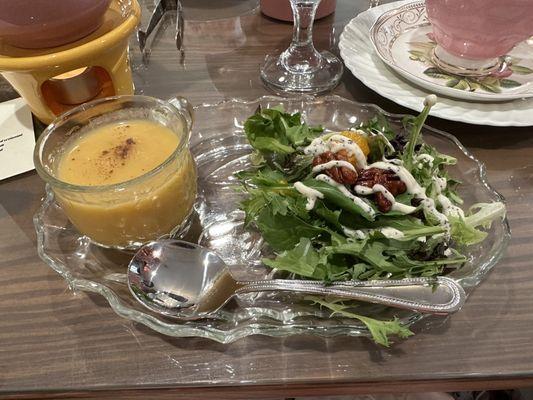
point(220, 148)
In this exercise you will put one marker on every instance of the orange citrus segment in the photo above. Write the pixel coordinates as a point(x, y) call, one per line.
point(359, 140)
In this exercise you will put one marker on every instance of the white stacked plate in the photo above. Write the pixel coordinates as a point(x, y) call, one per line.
point(390, 58)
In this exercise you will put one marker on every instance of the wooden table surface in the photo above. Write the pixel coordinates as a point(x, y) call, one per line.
point(54, 343)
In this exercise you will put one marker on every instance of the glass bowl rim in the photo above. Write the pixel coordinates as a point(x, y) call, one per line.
point(48, 132)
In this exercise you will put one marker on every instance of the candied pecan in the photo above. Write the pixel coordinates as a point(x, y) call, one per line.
point(349, 176)
point(342, 175)
point(389, 180)
point(342, 155)
point(323, 158)
point(384, 205)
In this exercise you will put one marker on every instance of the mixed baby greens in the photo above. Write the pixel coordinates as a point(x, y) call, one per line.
point(321, 227)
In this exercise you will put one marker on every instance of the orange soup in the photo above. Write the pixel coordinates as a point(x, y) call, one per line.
point(150, 202)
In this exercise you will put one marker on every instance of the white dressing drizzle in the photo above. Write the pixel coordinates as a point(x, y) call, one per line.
point(335, 143)
point(440, 183)
point(357, 200)
point(403, 208)
point(389, 233)
point(425, 158)
point(333, 164)
point(317, 146)
point(355, 233)
point(375, 189)
point(447, 207)
point(387, 142)
point(394, 161)
point(410, 182)
point(339, 142)
point(396, 206)
point(310, 193)
point(429, 206)
point(415, 189)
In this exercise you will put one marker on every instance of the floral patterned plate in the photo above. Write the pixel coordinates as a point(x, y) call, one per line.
point(403, 39)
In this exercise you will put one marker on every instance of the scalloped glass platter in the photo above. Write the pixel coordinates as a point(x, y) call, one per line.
point(360, 57)
point(220, 149)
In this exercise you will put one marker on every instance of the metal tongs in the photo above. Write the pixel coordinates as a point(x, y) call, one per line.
point(162, 8)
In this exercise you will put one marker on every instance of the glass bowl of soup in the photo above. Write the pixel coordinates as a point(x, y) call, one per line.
point(121, 168)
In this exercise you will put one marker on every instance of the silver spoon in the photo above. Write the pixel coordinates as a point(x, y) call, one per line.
point(188, 281)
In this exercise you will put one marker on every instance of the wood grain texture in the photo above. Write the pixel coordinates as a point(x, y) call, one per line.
point(275, 392)
point(56, 344)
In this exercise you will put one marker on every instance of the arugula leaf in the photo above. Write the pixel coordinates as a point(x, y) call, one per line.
point(379, 132)
point(464, 231)
point(299, 169)
point(378, 124)
point(485, 214)
point(269, 177)
point(424, 268)
point(335, 196)
point(381, 331)
point(283, 232)
point(465, 234)
point(272, 144)
point(301, 134)
point(414, 126)
point(451, 190)
point(373, 254)
point(425, 172)
point(302, 260)
point(253, 205)
point(274, 131)
point(378, 147)
point(328, 215)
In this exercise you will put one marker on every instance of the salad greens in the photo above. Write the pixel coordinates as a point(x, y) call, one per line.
point(320, 228)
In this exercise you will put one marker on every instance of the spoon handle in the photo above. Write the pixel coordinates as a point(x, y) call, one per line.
point(439, 295)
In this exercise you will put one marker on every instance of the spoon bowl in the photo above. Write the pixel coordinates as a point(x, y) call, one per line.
point(170, 276)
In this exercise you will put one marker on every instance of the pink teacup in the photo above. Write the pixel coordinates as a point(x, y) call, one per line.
point(473, 34)
point(36, 24)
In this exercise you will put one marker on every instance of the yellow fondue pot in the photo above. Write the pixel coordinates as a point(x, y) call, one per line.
point(54, 80)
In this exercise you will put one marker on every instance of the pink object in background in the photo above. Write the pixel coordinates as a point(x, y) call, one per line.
point(38, 24)
point(281, 9)
point(480, 29)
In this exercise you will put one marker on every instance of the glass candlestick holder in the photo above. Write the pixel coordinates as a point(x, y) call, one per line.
point(301, 68)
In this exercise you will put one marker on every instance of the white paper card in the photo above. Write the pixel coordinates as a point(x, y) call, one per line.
point(17, 139)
